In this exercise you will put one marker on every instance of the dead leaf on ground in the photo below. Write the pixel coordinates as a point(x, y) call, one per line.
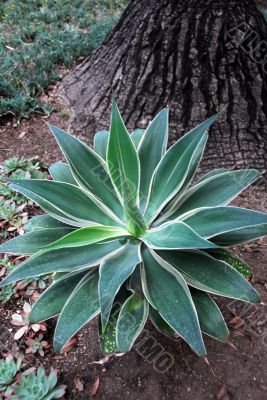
point(78, 384)
point(248, 249)
point(102, 361)
point(222, 393)
point(21, 135)
point(236, 322)
point(237, 332)
point(70, 345)
point(95, 387)
point(260, 241)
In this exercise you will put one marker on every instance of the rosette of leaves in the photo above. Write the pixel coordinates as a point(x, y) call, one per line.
point(130, 237)
point(8, 371)
point(38, 386)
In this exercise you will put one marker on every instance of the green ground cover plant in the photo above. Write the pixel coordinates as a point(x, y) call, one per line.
point(37, 36)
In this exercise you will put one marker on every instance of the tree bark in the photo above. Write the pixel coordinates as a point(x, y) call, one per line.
point(193, 56)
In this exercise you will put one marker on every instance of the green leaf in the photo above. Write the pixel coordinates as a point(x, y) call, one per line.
point(52, 300)
point(218, 190)
point(58, 199)
point(210, 317)
point(208, 274)
point(124, 168)
point(160, 324)
point(89, 235)
point(81, 307)
point(175, 235)
point(34, 241)
point(122, 157)
point(241, 235)
point(88, 169)
point(136, 136)
point(131, 321)
point(113, 273)
point(192, 168)
point(225, 220)
point(44, 222)
point(101, 143)
point(166, 290)
point(234, 261)
point(173, 169)
point(107, 337)
point(61, 172)
point(194, 163)
point(150, 150)
point(212, 173)
point(62, 260)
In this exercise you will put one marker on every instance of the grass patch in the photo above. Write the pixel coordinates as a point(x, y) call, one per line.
point(38, 36)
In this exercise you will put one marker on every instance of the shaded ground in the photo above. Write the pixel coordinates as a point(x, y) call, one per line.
point(236, 371)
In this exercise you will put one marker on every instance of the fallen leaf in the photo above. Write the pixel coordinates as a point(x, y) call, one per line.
point(95, 387)
point(78, 384)
point(70, 345)
point(251, 344)
point(21, 135)
point(206, 361)
point(222, 392)
point(119, 354)
point(236, 322)
point(248, 249)
point(238, 333)
point(102, 361)
point(260, 241)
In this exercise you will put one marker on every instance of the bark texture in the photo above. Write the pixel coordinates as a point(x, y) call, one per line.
point(193, 56)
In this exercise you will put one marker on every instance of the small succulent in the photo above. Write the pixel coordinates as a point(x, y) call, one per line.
point(7, 292)
point(13, 164)
point(22, 319)
point(38, 386)
point(133, 238)
point(23, 168)
point(30, 288)
point(14, 215)
point(6, 265)
point(8, 371)
point(37, 345)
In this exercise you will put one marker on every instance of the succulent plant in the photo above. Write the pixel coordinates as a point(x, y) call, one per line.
point(131, 238)
point(37, 345)
point(22, 319)
point(38, 387)
point(8, 371)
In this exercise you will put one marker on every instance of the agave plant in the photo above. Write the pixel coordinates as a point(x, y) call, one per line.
point(38, 387)
point(130, 238)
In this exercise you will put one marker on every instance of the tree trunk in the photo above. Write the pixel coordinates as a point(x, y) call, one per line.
point(193, 56)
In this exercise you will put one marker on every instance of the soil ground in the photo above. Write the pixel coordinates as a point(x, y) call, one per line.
point(234, 371)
